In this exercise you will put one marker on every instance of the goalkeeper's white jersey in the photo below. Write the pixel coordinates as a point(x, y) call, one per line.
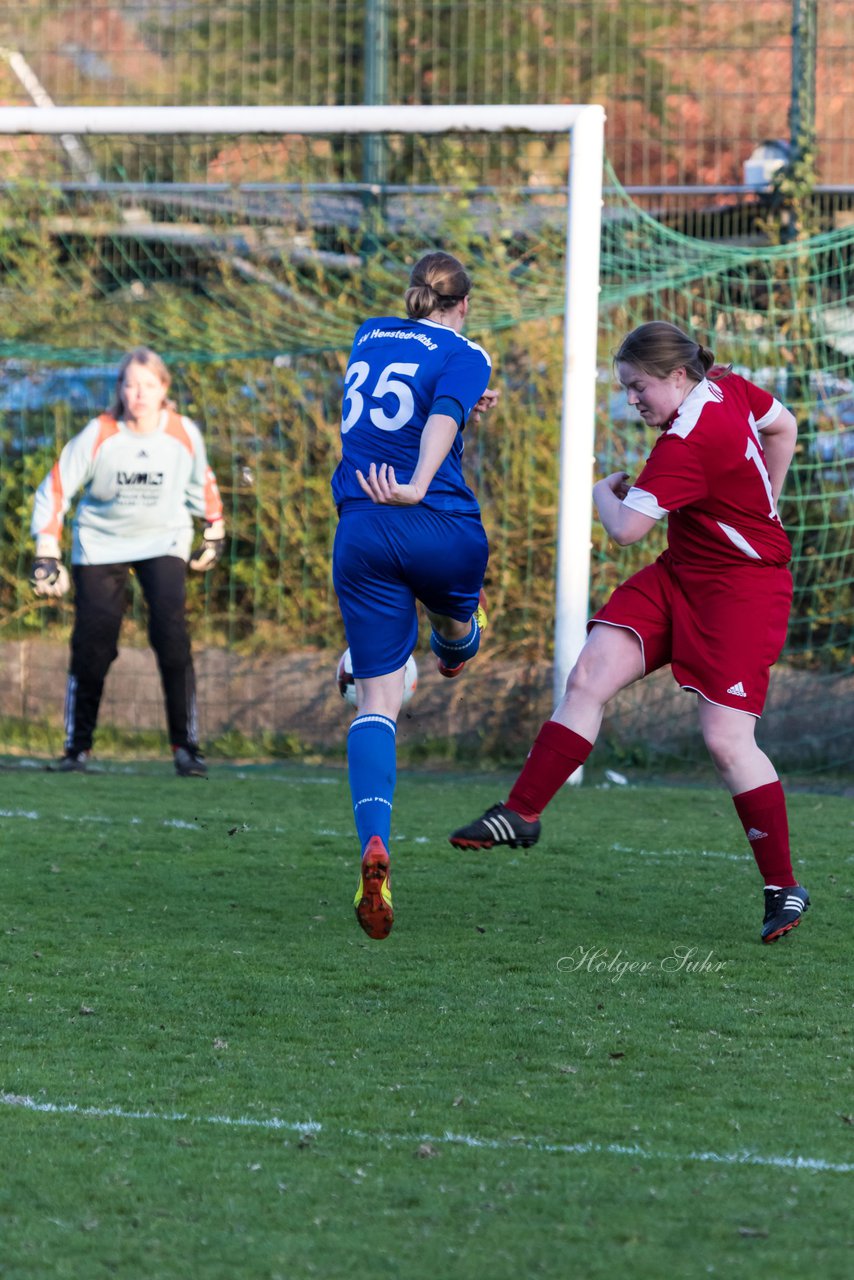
point(140, 491)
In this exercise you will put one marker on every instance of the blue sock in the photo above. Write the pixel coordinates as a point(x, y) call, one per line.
point(372, 763)
point(453, 652)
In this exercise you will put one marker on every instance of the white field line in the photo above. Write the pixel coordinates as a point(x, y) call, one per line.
point(811, 1164)
point(30, 815)
point(682, 853)
point(100, 770)
point(310, 782)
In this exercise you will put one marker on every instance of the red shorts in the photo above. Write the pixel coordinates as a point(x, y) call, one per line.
point(721, 630)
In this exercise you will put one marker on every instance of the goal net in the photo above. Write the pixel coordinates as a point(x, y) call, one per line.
point(782, 313)
point(246, 247)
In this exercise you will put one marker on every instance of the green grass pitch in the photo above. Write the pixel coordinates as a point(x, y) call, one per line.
point(574, 1061)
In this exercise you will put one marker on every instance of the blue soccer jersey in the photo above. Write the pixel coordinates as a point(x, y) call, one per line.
point(397, 370)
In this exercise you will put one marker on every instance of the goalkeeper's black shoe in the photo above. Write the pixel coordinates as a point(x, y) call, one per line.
point(190, 763)
point(499, 825)
point(71, 762)
point(783, 911)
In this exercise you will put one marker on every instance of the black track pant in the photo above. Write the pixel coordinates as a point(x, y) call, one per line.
point(100, 599)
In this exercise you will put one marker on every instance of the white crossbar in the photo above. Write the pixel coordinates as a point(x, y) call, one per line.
point(559, 118)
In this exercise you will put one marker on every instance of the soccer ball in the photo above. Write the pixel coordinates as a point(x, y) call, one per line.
point(347, 685)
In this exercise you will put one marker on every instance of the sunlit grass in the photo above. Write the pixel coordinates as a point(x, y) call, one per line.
point(594, 1021)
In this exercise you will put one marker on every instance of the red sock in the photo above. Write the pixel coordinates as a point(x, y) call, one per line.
point(763, 815)
point(557, 752)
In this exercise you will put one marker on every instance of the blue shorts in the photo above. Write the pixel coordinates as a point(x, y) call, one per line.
point(385, 559)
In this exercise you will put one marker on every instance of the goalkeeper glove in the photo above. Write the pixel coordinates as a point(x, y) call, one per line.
point(213, 545)
point(49, 576)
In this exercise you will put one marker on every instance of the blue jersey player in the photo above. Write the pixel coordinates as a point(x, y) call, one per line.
point(409, 529)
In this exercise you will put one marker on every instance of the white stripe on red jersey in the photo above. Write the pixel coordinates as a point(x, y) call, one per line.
point(707, 473)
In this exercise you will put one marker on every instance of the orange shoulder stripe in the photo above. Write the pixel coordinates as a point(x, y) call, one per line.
point(107, 427)
point(213, 502)
point(176, 429)
point(54, 525)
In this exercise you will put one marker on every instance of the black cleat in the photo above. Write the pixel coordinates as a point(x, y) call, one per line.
point(71, 762)
point(190, 763)
point(783, 911)
point(499, 825)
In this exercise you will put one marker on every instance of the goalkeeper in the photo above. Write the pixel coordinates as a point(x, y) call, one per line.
point(714, 606)
point(144, 474)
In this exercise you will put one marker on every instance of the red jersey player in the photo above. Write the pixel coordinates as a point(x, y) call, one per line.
point(714, 605)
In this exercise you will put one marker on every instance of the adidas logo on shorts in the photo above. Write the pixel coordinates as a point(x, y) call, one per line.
point(737, 690)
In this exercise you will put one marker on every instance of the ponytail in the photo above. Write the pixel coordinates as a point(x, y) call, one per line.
point(437, 283)
point(658, 348)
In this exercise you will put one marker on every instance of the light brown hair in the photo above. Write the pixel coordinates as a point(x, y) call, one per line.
point(437, 283)
point(148, 359)
point(658, 348)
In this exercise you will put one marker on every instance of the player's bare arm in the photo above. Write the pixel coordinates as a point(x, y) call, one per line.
point(621, 523)
point(778, 444)
point(380, 483)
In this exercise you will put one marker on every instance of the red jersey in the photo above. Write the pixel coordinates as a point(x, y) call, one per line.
point(707, 474)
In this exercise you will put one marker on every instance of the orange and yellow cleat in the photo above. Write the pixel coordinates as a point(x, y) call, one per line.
point(373, 896)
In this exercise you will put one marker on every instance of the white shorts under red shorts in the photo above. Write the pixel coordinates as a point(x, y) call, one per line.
point(721, 630)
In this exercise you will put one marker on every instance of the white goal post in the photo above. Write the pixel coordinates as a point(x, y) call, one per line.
point(585, 126)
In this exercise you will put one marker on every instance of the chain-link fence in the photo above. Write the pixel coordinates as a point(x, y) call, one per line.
point(691, 89)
